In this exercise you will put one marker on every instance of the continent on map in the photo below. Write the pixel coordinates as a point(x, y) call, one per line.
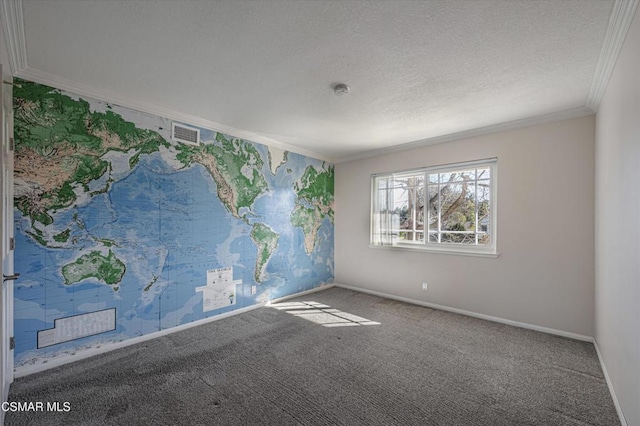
point(108, 269)
point(266, 239)
point(59, 143)
point(314, 203)
point(234, 165)
point(309, 219)
point(277, 157)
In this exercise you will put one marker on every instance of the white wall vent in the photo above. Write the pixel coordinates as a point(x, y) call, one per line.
point(185, 134)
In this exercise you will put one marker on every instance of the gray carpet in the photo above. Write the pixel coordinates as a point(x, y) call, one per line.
point(268, 367)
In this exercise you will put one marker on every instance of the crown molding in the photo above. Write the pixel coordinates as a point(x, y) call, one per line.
point(480, 131)
point(13, 24)
point(619, 23)
point(119, 99)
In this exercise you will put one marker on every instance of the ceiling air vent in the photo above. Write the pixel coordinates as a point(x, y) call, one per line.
point(185, 134)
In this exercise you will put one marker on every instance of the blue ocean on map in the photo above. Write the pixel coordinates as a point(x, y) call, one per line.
point(170, 227)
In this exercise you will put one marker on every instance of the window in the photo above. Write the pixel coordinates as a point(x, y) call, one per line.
point(447, 208)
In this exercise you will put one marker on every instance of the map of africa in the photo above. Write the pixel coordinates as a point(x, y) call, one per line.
point(122, 231)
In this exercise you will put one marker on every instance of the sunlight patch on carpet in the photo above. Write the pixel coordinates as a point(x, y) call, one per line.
point(322, 314)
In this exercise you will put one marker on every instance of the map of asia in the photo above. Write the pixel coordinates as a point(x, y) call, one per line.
point(122, 231)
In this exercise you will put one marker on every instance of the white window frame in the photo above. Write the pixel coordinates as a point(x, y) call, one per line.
point(487, 250)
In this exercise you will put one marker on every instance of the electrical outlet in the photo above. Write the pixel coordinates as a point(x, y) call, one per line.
point(425, 286)
point(254, 289)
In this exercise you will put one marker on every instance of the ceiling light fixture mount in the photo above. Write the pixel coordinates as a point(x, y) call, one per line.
point(340, 89)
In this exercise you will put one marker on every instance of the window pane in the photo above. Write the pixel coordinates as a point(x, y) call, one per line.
point(407, 181)
point(400, 202)
point(381, 202)
point(458, 238)
point(484, 239)
point(458, 176)
point(409, 204)
point(433, 177)
point(417, 181)
point(433, 237)
point(484, 173)
point(484, 190)
point(433, 207)
point(420, 219)
point(398, 182)
point(484, 211)
point(409, 236)
point(458, 207)
point(419, 205)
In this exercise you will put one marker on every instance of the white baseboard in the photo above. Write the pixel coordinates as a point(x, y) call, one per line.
point(470, 313)
point(32, 369)
point(616, 403)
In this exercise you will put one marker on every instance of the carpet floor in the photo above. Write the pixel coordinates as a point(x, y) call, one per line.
point(335, 357)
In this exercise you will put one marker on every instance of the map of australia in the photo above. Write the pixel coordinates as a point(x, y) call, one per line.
point(114, 215)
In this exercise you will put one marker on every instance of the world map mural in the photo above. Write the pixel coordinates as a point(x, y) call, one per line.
point(122, 230)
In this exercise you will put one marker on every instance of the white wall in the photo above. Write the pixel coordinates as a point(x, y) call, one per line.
point(618, 227)
point(544, 275)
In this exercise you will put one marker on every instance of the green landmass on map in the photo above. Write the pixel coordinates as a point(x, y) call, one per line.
point(310, 220)
point(38, 236)
point(108, 269)
point(266, 239)
point(151, 283)
point(234, 165)
point(59, 143)
point(106, 242)
point(314, 202)
point(63, 236)
point(105, 188)
point(316, 187)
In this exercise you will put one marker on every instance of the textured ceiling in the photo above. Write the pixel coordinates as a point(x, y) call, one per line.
point(417, 70)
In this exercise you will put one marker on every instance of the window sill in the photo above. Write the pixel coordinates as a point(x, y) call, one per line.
point(439, 250)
